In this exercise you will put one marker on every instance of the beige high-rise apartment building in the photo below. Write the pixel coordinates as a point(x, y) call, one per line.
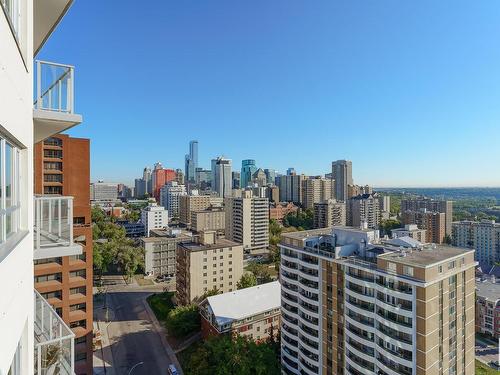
point(364, 209)
point(342, 176)
point(211, 219)
point(316, 190)
point(351, 305)
point(329, 213)
point(442, 206)
point(483, 236)
point(247, 222)
point(433, 222)
point(194, 203)
point(205, 263)
point(290, 187)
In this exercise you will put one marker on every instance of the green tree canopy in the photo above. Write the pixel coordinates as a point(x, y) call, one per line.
point(246, 281)
point(183, 320)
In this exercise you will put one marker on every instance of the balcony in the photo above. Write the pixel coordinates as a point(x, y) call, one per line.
point(53, 109)
point(53, 227)
point(54, 341)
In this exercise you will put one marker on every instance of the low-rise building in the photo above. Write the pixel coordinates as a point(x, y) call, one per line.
point(160, 252)
point(488, 306)
point(251, 312)
point(278, 211)
point(154, 217)
point(103, 191)
point(412, 231)
point(207, 262)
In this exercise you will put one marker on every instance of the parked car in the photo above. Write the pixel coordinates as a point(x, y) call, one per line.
point(495, 365)
point(172, 370)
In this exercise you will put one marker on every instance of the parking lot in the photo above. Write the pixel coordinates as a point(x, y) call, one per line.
point(486, 351)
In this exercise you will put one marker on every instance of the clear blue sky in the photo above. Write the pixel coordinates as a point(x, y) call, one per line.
point(407, 90)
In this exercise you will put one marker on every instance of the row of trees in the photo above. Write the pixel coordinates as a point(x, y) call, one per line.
point(112, 248)
point(228, 355)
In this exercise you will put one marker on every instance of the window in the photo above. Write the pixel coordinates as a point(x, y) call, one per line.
point(79, 220)
point(391, 267)
point(52, 165)
point(78, 323)
point(80, 290)
point(81, 356)
point(52, 154)
point(53, 178)
point(79, 273)
point(56, 294)
point(9, 190)
point(57, 260)
point(78, 306)
point(12, 11)
point(408, 270)
point(52, 141)
point(78, 257)
point(48, 190)
point(80, 340)
point(51, 277)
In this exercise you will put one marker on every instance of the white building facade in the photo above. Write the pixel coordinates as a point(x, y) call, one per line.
point(29, 326)
point(170, 196)
point(154, 217)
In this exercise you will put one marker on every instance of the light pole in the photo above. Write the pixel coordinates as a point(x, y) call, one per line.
point(134, 366)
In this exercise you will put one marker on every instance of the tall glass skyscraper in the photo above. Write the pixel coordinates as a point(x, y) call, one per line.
point(248, 168)
point(191, 161)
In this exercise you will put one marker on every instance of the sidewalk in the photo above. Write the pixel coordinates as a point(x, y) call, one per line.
point(103, 358)
point(163, 335)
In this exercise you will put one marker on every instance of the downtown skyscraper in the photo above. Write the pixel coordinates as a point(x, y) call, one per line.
point(191, 161)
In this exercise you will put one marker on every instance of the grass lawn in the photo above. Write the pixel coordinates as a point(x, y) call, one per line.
point(482, 369)
point(161, 303)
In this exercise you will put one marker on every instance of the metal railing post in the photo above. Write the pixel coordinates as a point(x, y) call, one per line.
point(70, 220)
point(59, 217)
point(38, 83)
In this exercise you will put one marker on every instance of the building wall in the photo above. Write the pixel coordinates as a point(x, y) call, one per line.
point(316, 190)
point(329, 213)
point(202, 270)
point(208, 220)
point(75, 182)
point(16, 257)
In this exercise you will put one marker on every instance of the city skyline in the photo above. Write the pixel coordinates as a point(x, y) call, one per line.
point(285, 74)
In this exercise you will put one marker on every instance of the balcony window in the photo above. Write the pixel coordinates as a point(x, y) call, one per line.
point(9, 190)
point(12, 9)
point(53, 178)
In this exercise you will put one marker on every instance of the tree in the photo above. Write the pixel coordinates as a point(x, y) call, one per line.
point(447, 239)
point(183, 320)
point(260, 271)
point(246, 281)
point(301, 218)
point(212, 292)
point(232, 355)
point(386, 226)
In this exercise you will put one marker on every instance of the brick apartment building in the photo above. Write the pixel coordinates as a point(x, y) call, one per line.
point(62, 169)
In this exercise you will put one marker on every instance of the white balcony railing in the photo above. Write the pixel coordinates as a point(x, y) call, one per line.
point(54, 87)
point(54, 341)
point(54, 227)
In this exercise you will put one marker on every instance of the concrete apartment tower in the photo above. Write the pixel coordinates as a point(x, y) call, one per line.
point(329, 213)
point(342, 176)
point(247, 221)
point(27, 231)
point(483, 236)
point(364, 210)
point(316, 190)
point(67, 280)
point(170, 195)
point(432, 205)
point(354, 305)
point(222, 179)
point(204, 263)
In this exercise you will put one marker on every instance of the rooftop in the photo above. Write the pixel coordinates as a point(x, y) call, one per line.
point(307, 233)
point(246, 302)
point(220, 243)
point(488, 289)
point(427, 255)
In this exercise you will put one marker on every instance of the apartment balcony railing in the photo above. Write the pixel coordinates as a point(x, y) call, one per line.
point(54, 341)
point(53, 227)
point(53, 110)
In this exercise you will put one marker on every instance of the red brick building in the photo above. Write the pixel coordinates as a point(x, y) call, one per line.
point(278, 211)
point(160, 177)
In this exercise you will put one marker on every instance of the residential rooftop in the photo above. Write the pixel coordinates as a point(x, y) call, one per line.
point(198, 246)
point(244, 303)
point(488, 289)
point(427, 255)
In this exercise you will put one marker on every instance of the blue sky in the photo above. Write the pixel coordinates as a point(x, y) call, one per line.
point(409, 91)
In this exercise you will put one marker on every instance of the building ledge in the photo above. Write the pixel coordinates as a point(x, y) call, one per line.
point(48, 123)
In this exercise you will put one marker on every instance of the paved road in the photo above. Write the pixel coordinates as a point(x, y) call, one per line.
point(132, 336)
point(486, 352)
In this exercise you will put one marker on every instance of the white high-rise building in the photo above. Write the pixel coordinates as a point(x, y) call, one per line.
point(222, 180)
point(154, 217)
point(483, 236)
point(170, 196)
point(31, 227)
point(103, 191)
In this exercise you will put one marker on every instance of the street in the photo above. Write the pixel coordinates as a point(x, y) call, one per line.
point(132, 337)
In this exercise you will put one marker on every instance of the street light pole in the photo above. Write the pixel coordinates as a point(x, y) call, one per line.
point(134, 366)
